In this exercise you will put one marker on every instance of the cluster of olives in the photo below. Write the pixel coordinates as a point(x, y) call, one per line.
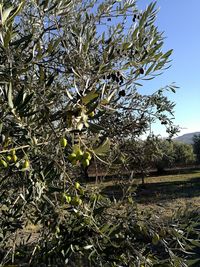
point(136, 17)
point(74, 200)
point(12, 158)
point(78, 155)
point(115, 77)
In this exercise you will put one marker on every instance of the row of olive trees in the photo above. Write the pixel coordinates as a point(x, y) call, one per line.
point(178, 154)
point(154, 153)
point(175, 154)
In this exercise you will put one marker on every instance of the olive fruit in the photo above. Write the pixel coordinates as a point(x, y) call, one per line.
point(13, 152)
point(4, 163)
point(91, 114)
point(122, 93)
point(72, 157)
point(14, 158)
point(79, 154)
point(141, 71)
point(87, 155)
point(26, 164)
point(76, 201)
point(85, 163)
point(9, 158)
point(77, 185)
point(155, 239)
point(63, 142)
point(68, 198)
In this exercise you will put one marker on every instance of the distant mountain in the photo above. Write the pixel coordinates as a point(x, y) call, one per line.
point(186, 138)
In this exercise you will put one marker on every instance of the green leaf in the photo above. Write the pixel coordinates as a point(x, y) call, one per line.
point(22, 40)
point(95, 127)
point(25, 102)
point(7, 38)
point(69, 94)
point(9, 95)
point(19, 8)
point(88, 247)
point(89, 97)
point(195, 242)
point(166, 55)
point(194, 262)
point(6, 14)
point(111, 95)
point(19, 98)
point(150, 68)
point(103, 148)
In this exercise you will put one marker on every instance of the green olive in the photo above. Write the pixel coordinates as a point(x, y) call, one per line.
point(76, 201)
point(4, 163)
point(87, 155)
point(85, 163)
point(72, 157)
point(63, 142)
point(13, 152)
point(9, 158)
point(14, 158)
point(79, 154)
point(26, 164)
point(155, 239)
point(68, 199)
point(91, 114)
point(77, 185)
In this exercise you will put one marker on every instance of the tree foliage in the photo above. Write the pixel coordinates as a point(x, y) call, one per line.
point(143, 156)
point(68, 93)
point(183, 154)
point(196, 147)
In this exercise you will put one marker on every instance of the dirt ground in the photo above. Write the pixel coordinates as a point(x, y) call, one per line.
point(162, 195)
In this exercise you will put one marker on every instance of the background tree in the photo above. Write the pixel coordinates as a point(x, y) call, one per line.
point(183, 154)
point(196, 147)
point(174, 154)
point(166, 158)
point(140, 155)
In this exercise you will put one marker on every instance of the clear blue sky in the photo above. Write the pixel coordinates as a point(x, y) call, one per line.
point(180, 21)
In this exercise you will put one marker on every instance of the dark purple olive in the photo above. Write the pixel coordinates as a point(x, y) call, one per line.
point(122, 93)
point(141, 71)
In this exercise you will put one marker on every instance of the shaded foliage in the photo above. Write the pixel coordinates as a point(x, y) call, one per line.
point(196, 147)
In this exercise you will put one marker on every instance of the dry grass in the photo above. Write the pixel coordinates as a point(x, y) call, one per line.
point(162, 195)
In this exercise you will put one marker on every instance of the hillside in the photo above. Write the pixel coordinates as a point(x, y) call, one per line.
point(186, 138)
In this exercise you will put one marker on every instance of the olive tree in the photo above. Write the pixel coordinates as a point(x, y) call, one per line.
point(196, 147)
point(69, 73)
point(183, 154)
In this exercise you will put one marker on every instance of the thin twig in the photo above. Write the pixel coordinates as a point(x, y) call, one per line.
point(21, 147)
